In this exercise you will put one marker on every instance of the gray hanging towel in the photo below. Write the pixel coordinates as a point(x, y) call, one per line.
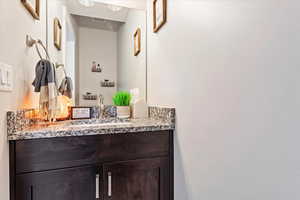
point(44, 75)
point(44, 83)
point(66, 87)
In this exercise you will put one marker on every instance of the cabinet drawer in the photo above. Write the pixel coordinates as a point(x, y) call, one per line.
point(55, 153)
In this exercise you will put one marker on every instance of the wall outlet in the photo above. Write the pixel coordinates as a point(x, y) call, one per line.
point(6, 77)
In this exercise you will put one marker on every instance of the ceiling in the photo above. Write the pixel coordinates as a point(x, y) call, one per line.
point(101, 10)
point(96, 23)
point(137, 4)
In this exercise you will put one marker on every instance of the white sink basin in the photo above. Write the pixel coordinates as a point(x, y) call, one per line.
point(101, 124)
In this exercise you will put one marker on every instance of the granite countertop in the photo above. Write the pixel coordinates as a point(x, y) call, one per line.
point(159, 119)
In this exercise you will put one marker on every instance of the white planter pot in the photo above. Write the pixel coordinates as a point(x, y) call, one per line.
point(123, 112)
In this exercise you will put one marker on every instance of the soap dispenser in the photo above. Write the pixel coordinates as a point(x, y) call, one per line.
point(139, 107)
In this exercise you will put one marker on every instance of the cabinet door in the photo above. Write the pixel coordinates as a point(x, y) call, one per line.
point(66, 184)
point(147, 179)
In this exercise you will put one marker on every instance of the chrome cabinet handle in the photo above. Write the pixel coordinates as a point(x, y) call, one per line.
point(97, 186)
point(109, 193)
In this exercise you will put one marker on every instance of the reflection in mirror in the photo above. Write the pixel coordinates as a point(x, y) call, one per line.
point(103, 48)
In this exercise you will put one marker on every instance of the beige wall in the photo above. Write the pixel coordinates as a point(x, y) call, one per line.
point(231, 69)
point(16, 22)
point(100, 46)
point(132, 69)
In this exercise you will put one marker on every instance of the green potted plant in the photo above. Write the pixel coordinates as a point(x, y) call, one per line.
point(122, 101)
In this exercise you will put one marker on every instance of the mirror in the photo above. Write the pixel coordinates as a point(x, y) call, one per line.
point(100, 46)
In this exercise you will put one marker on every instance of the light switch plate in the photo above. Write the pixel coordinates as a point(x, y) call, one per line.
point(6, 77)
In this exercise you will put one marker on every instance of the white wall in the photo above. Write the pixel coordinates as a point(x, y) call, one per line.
point(70, 65)
point(67, 54)
point(71, 58)
point(132, 69)
point(100, 46)
point(231, 69)
point(56, 9)
point(16, 22)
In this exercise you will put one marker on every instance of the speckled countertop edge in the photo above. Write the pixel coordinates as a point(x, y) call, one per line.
point(159, 119)
point(135, 127)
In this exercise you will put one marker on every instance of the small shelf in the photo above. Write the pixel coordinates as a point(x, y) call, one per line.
point(90, 97)
point(107, 84)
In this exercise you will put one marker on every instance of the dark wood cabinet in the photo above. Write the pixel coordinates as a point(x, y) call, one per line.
point(131, 166)
point(66, 184)
point(137, 180)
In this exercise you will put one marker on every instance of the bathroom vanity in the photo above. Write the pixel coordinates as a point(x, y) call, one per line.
point(97, 50)
point(124, 161)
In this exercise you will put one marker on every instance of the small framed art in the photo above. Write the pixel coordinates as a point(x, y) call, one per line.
point(57, 34)
point(159, 14)
point(33, 7)
point(81, 113)
point(137, 42)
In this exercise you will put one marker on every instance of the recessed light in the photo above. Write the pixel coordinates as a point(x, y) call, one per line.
point(87, 3)
point(114, 8)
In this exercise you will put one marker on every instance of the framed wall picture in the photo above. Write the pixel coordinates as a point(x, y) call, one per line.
point(33, 7)
point(137, 42)
point(159, 14)
point(57, 34)
point(81, 113)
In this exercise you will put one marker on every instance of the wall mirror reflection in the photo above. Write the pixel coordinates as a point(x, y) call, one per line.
point(98, 48)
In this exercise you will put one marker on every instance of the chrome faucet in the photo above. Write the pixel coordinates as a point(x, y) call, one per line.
point(101, 105)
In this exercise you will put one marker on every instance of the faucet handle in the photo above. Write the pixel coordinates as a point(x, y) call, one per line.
point(101, 98)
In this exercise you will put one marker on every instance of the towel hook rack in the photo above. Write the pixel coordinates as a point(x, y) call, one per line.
point(30, 42)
